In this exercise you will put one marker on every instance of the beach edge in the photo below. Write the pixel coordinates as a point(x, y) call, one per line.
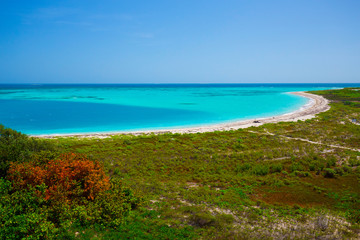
point(316, 105)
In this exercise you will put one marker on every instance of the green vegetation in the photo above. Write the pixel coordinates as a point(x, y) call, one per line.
point(255, 183)
point(44, 194)
point(17, 147)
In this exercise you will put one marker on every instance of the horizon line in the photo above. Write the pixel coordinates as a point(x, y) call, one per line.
point(145, 83)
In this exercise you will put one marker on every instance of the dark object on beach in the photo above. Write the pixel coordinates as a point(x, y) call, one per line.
point(256, 121)
point(353, 120)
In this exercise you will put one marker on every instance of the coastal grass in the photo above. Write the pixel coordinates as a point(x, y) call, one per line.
point(261, 178)
point(283, 180)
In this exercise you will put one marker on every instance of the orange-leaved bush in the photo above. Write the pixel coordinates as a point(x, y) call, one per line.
point(66, 178)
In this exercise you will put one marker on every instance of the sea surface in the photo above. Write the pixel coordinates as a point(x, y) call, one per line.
point(64, 109)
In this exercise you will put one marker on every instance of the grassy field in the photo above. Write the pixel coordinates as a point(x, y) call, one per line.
point(294, 180)
point(263, 182)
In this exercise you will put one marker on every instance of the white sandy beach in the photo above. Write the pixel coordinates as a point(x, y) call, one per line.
point(317, 104)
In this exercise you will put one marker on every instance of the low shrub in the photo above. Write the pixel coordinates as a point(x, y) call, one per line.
point(18, 147)
point(331, 162)
point(260, 170)
point(302, 174)
point(276, 167)
point(339, 171)
point(242, 167)
point(43, 201)
point(24, 215)
point(329, 173)
point(296, 167)
point(312, 167)
point(347, 169)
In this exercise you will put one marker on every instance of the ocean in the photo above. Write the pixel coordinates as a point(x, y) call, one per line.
point(88, 108)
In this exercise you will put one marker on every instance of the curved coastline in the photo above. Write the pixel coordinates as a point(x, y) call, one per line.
point(317, 104)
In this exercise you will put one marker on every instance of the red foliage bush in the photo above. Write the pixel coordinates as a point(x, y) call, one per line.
point(67, 178)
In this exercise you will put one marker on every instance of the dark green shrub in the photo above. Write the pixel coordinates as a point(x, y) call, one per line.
point(18, 147)
point(339, 171)
point(296, 167)
point(276, 167)
point(302, 174)
point(347, 169)
point(24, 215)
point(331, 162)
point(316, 165)
point(110, 208)
point(329, 173)
point(242, 167)
point(260, 170)
point(117, 171)
point(312, 167)
point(27, 214)
point(44, 156)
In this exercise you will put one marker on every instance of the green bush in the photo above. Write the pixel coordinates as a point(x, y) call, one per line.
point(312, 167)
point(276, 167)
point(331, 162)
point(329, 173)
point(110, 208)
point(296, 167)
point(242, 167)
point(316, 165)
point(302, 174)
point(26, 214)
point(347, 169)
point(18, 147)
point(23, 214)
point(339, 171)
point(260, 170)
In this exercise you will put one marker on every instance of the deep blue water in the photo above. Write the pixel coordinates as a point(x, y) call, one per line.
point(50, 109)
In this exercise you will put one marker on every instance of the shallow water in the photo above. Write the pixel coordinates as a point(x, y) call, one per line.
point(50, 109)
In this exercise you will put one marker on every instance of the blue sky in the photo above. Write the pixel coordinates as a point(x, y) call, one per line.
point(179, 41)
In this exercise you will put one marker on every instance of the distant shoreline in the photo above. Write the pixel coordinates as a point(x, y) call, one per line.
point(316, 105)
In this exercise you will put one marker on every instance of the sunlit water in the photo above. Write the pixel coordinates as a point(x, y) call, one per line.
point(54, 109)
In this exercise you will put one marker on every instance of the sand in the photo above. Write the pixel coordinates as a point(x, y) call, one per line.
point(317, 104)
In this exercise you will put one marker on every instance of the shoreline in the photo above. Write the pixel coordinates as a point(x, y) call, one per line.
point(317, 104)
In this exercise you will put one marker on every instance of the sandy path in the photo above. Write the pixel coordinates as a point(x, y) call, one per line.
point(306, 140)
point(316, 105)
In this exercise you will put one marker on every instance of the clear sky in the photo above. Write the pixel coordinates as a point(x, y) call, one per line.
point(179, 41)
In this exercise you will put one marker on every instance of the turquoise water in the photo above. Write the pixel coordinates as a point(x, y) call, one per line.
point(55, 109)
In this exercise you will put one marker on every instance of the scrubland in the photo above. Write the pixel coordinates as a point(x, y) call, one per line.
point(293, 180)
